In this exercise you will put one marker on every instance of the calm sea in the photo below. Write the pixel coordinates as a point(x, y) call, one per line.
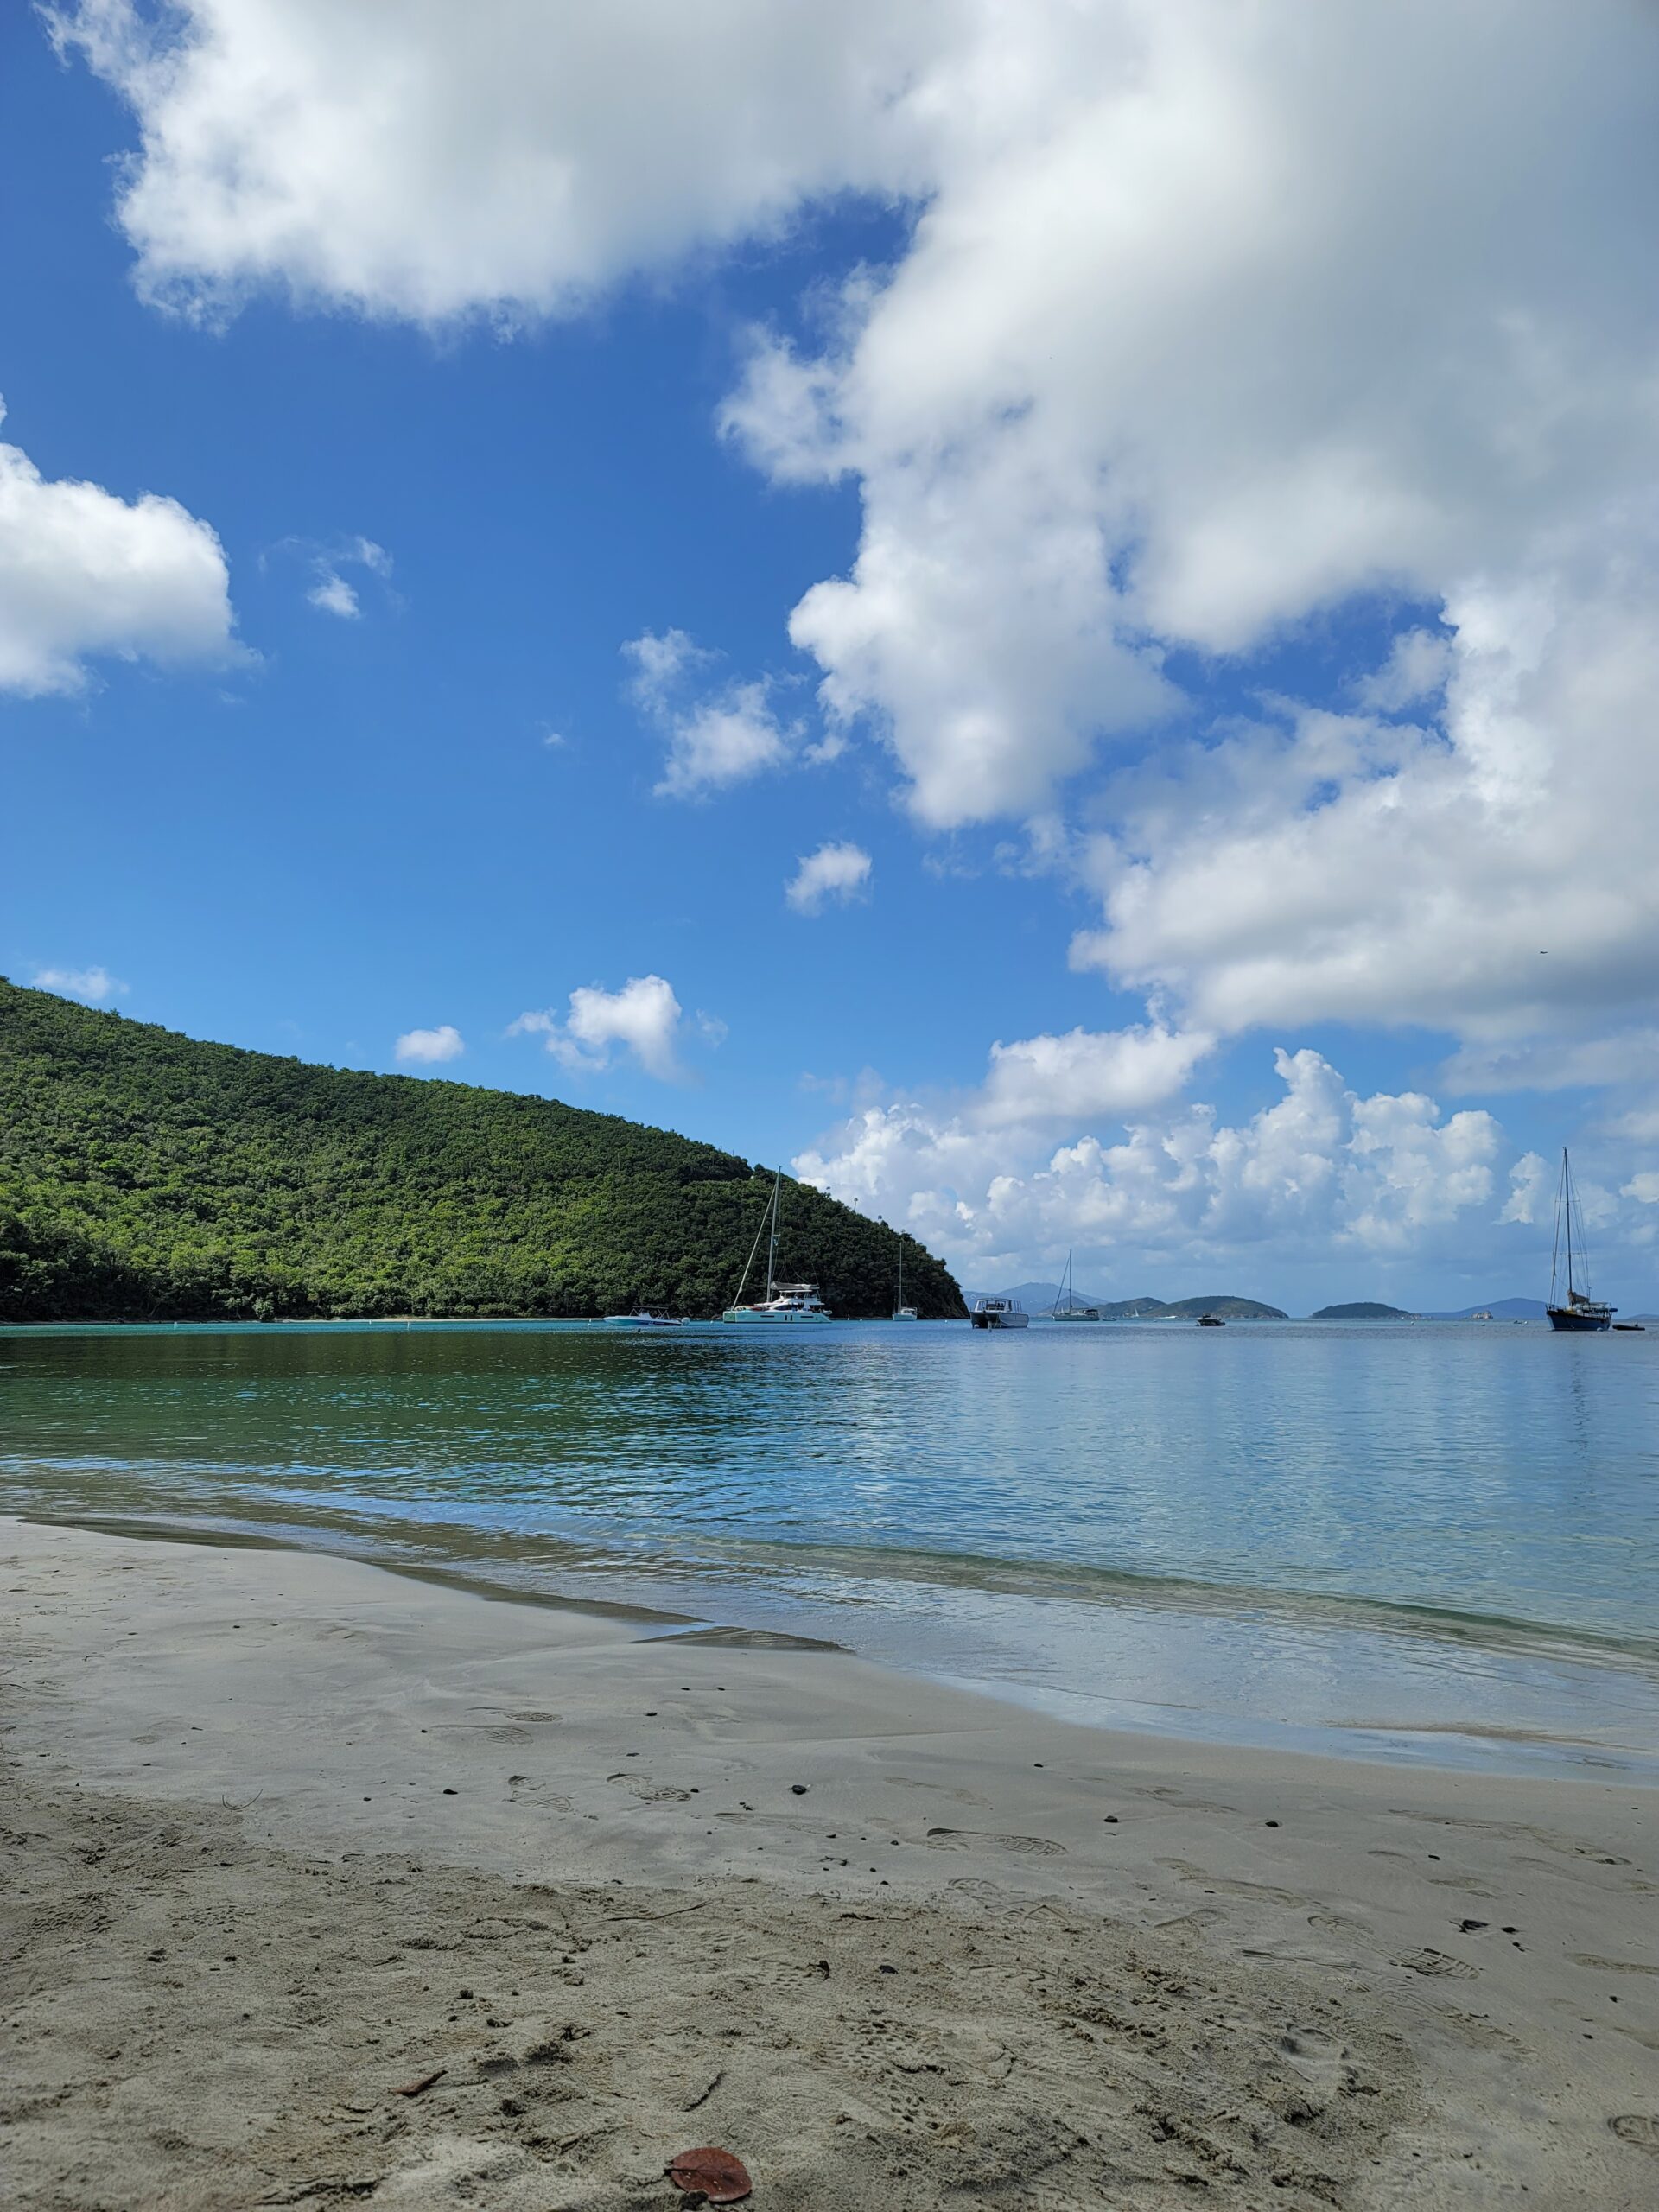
point(1436, 1540)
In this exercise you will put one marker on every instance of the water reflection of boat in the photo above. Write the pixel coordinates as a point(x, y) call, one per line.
point(1582, 1311)
point(783, 1301)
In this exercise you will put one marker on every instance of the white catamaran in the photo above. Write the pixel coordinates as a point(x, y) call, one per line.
point(1065, 1306)
point(783, 1301)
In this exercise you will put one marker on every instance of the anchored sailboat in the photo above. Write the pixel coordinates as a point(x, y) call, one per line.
point(1065, 1306)
point(783, 1301)
point(1581, 1311)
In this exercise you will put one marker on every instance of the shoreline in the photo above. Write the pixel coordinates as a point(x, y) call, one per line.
point(1174, 1630)
point(1153, 1936)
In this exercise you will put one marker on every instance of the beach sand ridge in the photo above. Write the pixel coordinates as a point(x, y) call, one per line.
point(284, 1836)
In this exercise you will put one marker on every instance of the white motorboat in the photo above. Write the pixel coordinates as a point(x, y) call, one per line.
point(999, 1313)
point(785, 1302)
point(642, 1320)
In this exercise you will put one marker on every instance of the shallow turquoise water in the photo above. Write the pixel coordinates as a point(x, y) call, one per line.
point(1433, 1539)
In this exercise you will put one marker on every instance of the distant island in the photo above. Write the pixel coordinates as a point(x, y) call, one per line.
point(1365, 1309)
point(1496, 1309)
point(146, 1176)
point(1039, 1298)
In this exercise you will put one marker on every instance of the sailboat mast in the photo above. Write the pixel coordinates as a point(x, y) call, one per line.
point(772, 1245)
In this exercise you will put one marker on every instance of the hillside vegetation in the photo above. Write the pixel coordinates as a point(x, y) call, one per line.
point(145, 1175)
point(1363, 1309)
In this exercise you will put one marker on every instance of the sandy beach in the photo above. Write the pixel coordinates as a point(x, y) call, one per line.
point(286, 1835)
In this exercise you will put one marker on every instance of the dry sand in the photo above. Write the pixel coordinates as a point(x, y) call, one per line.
point(283, 1833)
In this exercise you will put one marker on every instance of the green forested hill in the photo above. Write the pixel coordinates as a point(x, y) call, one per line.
point(143, 1174)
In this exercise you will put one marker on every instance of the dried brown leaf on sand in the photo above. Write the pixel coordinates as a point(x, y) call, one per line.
point(711, 2173)
point(421, 2083)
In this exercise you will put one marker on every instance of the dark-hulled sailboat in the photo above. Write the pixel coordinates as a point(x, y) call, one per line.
point(1568, 1257)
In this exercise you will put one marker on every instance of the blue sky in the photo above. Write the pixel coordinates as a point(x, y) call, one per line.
point(1172, 672)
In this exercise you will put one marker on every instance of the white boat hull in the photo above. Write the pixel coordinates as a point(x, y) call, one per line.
point(743, 1315)
point(987, 1315)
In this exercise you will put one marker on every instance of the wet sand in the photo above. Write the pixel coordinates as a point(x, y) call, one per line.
point(284, 1835)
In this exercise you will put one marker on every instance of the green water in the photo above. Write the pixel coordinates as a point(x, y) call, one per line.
point(1432, 1540)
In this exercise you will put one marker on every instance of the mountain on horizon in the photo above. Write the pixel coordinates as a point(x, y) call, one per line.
point(1037, 1297)
point(1501, 1309)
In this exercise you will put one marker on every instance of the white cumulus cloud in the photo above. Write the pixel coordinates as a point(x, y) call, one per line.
point(429, 1047)
point(1215, 316)
point(838, 872)
point(331, 592)
point(85, 574)
point(1491, 874)
point(1084, 1074)
point(718, 734)
point(1208, 320)
point(1323, 1172)
point(643, 1018)
point(95, 985)
point(397, 161)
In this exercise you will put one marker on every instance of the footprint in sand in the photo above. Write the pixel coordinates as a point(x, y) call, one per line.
point(1515, 1830)
point(498, 1731)
point(1338, 1923)
point(1033, 1847)
point(521, 1785)
point(1304, 1955)
point(775, 1819)
point(1611, 1966)
point(1171, 1796)
point(1483, 2035)
point(649, 1792)
point(1189, 1872)
point(1639, 2129)
point(1437, 1962)
point(940, 1789)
